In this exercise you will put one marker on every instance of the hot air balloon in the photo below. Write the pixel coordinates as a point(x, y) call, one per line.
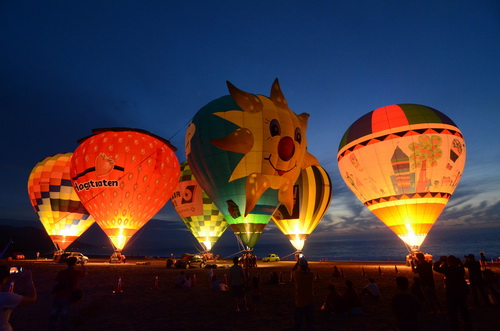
point(197, 210)
point(52, 196)
point(312, 195)
point(124, 177)
point(403, 162)
point(246, 151)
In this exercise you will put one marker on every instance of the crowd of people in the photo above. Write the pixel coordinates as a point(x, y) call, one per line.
point(462, 279)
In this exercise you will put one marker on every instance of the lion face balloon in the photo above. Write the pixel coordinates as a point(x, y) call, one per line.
point(247, 151)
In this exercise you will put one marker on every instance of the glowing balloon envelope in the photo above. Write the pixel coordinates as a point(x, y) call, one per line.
point(197, 210)
point(403, 162)
point(313, 194)
point(124, 177)
point(52, 196)
point(246, 151)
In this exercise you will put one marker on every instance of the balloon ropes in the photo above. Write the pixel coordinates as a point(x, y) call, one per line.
point(197, 210)
point(403, 162)
point(124, 177)
point(312, 197)
point(246, 151)
point(52, 196)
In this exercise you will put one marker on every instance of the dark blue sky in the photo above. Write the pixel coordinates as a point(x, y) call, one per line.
point(69, 67)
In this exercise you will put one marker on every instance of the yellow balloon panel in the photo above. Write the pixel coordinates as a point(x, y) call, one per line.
point(56, 202)
point(403, 168)
point(312, 196)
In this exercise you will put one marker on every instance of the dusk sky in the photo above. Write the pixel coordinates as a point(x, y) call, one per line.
point(69, 67)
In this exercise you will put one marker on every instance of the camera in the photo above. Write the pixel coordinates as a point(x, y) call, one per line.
point(16, 270)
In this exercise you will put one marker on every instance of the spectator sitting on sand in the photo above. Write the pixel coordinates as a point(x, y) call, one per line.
point(181, 280)
point(350, 300)
point(405, 306)
point(333, 301)
point(336, 272)
point(273, 278)
point(9, 300)
point(371, 289)
point(218, 285)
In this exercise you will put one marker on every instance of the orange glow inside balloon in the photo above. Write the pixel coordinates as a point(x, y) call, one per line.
point(403, 162)
point(124, 177)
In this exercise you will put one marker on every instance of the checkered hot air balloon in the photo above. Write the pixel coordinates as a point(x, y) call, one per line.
point(52, 196)
point(199, 213)
point(403, 162)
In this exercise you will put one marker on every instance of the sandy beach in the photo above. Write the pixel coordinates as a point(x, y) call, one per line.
point(142, 307)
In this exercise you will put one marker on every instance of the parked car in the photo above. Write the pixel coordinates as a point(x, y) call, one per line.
point(193, 257)
point(182, 264)
point(18, 256)
point(80, 258)
point(271, 258)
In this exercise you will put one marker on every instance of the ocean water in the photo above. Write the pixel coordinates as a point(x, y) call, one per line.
point(387, 248)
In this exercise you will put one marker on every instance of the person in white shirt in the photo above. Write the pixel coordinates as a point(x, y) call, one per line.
point(371, 289)
point(9, 300)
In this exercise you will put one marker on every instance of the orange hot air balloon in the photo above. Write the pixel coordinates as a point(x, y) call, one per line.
point(124, 177)
point(52, 196)
point(403, 162)
point(312, 195)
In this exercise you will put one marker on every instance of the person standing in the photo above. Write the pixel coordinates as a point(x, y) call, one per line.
point(238, 281)
point(456, 290)
point(476, 279)
point(65, 289)
point(304, 294)
point(405, 306)
point(9, 301)
point(424, 271)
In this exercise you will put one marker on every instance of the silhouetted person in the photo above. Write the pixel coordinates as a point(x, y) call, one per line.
point(483, 260)
point(66, 285)
point(238, 282)
point(456, 290)
point(476, 279)
point(371, 289)
point(350, 299)
point(423, 269)
point(333, 301)
point(416, 290)
point(336, 272)
point(304, 294)
point(405, 306)
point(274, 278)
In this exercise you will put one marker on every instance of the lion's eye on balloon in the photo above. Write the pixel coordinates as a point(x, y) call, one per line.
point(298, 135)
point(274, 128)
